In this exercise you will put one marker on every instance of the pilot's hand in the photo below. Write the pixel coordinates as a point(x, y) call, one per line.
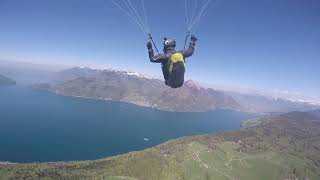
point(149, 45)
point(193, 38)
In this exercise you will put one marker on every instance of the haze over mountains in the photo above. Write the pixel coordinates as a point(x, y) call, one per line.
point(5, 81)
point(28, 73)
point(259, 103)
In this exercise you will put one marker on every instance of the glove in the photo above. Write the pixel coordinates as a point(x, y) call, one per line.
point(149, 45)
point(193, 38)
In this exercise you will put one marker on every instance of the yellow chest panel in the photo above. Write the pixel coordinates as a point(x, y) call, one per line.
point(177, 57)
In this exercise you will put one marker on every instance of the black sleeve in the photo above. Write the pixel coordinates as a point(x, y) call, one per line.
point(159, 58)
point(188, 52)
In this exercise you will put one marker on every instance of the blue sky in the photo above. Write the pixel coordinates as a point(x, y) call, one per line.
point(264, 44)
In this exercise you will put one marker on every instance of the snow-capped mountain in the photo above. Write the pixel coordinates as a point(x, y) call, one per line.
point(133, 87)
point(110, 84)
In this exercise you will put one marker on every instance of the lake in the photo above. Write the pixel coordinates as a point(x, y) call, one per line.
point(39, 126)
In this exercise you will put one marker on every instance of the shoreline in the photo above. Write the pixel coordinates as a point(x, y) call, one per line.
point(153, 107)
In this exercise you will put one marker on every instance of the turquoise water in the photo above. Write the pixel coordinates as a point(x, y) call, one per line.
point(39, 126)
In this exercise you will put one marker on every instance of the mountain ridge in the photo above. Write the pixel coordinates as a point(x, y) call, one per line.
point(138, 89)
point(143, 90)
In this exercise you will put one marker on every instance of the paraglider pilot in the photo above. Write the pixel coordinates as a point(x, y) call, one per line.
point(172, 61)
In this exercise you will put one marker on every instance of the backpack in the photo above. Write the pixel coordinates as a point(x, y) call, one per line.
point(176, 70)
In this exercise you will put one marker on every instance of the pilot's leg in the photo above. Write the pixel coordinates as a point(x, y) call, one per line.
point(165, 71)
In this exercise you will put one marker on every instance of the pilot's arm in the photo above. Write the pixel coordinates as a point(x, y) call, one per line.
point(188, 52)
point(159, 58)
